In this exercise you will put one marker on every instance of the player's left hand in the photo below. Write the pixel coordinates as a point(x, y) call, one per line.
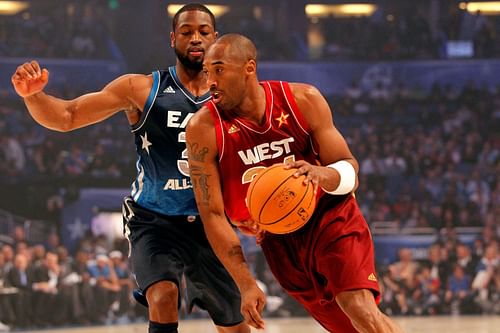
point(313, 173)
point(253, 301)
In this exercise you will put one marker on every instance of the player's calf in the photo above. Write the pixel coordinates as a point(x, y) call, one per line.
point(162, 298)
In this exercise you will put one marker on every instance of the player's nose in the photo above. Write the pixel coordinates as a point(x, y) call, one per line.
point(212, 83)
point(196, 38)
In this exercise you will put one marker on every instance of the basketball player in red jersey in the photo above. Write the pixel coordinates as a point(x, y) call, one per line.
point(328, 264)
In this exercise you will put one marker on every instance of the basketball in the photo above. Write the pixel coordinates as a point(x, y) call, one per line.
point(279, 202)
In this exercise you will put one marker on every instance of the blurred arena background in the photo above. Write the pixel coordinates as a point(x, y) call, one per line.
point(415, 89)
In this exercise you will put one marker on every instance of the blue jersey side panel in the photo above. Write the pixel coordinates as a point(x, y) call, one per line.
point(162, 184)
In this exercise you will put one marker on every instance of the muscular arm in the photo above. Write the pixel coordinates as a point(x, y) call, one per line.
point(327, 139)
point(203, 165)
point(205, 177)
point(126, 93)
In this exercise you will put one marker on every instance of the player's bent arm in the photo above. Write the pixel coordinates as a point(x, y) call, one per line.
point(125, 93)
point(205, 177)
point(328, 141)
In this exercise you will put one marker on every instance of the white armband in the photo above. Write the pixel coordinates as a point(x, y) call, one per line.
point(347, 177)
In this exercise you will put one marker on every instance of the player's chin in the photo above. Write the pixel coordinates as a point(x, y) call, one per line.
point(196, 60)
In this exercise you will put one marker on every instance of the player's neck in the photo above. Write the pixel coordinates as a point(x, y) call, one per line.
point(193, 80)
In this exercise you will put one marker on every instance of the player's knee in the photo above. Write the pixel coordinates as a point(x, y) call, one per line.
point(162, 294)
point(359, 306)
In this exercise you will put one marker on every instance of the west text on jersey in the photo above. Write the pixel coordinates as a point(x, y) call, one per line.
point(266, 151)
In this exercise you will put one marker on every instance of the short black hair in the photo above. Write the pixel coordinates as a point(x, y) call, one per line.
point(190, 7)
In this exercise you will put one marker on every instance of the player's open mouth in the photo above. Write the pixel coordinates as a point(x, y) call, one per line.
point(216, 96)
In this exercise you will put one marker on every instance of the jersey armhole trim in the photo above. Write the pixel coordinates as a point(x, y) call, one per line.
point(294, 109)
point(149, 102)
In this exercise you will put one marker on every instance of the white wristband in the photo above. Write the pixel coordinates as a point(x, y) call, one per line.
point(347, 177)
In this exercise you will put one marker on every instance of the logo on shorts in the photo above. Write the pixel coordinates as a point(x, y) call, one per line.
point(372, 277)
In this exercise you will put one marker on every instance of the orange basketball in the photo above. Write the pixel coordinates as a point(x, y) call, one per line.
point(278, 201)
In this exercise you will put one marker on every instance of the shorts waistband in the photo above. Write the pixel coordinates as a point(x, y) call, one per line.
point(183, 218)
point(131, 205)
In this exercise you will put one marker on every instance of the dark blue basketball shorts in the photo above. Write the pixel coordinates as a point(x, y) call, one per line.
point(164, 248)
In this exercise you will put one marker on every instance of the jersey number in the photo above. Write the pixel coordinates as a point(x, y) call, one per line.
point(249, 174)
point(183, 165)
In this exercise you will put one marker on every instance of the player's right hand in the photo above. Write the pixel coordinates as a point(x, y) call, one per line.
point(250, 228)
point(253, 301)
point(29, 79)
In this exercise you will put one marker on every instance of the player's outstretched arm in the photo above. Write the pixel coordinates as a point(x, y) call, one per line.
point(127, 92)
point(205, 177)
point(328, 142)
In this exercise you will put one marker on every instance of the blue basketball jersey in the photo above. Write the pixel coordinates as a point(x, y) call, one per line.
point(162, 184)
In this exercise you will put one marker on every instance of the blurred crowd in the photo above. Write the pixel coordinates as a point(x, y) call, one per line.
point(396, 30)
point(454, 279)
point(427, 159)
point(407, 32)
point(74, 30)
point(43, 285)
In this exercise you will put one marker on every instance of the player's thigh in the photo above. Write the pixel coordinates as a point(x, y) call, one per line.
point(347, 262)
point(156, 249)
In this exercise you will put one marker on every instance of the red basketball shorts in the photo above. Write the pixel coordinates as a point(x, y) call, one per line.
point(332, 253)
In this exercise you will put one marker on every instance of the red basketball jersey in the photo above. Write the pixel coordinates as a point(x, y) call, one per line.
point(246, 148)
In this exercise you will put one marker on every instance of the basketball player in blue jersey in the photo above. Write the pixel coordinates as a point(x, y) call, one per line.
point(166, 237)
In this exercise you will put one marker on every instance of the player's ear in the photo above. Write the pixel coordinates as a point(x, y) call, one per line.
point(216, 35)
point(172, 39)
point(251, 66)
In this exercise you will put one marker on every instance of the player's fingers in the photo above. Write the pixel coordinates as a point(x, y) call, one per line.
point(315, 182)
point(28, 67)
point(303, 170)
point(45, 75)
point(36, 67)
point(255, 319)
point(24, 71)
point(261, 303)
point(16, 78)
point(294, 164)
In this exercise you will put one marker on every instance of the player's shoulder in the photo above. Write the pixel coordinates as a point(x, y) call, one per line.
point(202, 119)
point(133, 81)
point(303, 90)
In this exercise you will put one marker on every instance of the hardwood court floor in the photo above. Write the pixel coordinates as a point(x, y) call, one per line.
point(463, 324)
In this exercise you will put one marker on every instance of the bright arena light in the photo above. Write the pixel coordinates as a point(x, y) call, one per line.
point(486, 8)
point(358, 9)
point(12, 7)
